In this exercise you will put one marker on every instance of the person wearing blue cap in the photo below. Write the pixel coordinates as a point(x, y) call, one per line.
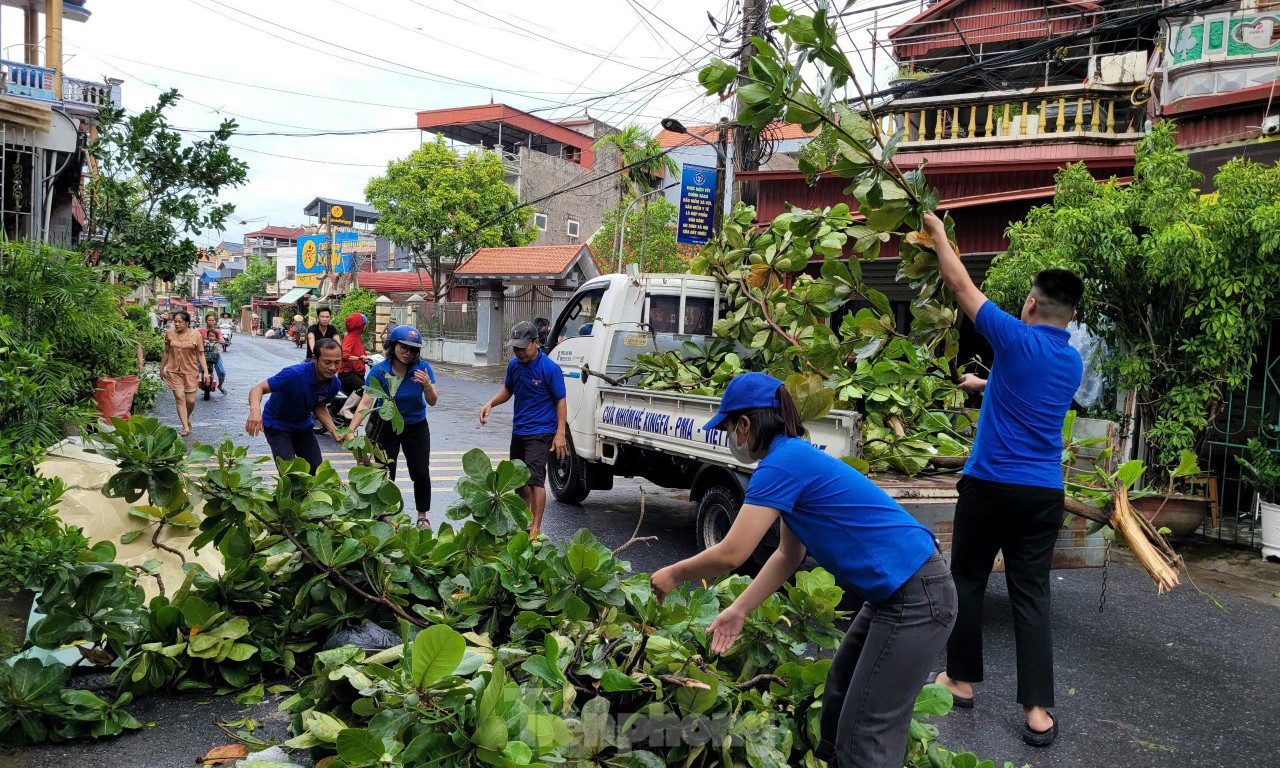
point(416, 389)
point(855, 530)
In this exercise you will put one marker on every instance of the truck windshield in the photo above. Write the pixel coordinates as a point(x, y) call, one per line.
point(577, 319)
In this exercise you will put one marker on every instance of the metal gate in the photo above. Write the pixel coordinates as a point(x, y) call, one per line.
point(1245, 412)
point(524, 303)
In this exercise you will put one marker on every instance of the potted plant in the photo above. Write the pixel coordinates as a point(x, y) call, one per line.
point(1262, 474)
point(1181, 286)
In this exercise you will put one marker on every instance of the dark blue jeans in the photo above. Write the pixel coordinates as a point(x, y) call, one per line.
point(881, 666)
point(289, 445)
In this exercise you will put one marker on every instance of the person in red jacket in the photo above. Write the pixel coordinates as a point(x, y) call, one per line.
point(351, 372)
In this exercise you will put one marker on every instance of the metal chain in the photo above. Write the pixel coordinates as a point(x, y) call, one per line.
point(1102, 597)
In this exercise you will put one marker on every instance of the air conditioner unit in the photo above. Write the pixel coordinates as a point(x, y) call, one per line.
point(1122, 68)
point(1271, 125)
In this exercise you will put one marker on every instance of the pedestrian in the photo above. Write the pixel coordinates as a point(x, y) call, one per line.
point(352, 371)
point(183, 366)
point(386, 331)
point(538, 428)
point(543, 326)
point(1011, 496)
point(298, 397)
point(852, 528)
point(415, 390)
point(323, 329)
point(212, 334)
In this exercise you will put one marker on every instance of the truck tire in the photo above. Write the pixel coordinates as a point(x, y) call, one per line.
point(716, 512)
point(569, 477)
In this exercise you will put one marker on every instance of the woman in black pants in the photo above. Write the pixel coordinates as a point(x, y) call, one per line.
point(415, 384)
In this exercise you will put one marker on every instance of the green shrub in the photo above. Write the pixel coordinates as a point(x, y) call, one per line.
point(33, 541)
point(360, 300)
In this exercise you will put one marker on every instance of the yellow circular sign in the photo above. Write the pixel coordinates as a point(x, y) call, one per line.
point(335, 211)
point(309, 255)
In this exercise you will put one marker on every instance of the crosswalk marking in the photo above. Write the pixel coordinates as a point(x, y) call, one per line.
point(447, 463)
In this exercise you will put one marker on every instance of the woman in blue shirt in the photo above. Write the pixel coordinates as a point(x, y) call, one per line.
point(853, 529)
point(416, 391)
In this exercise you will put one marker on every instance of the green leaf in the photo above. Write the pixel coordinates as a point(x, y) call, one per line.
point(129, 537)
point(933, 699)
point(548, 733)
point(778, 14)
point(1188, 465)
point(492, 734)
point(716, 76)
point(476, 463)
point(437, 651)
point(614, 681)
point(358, 748)
point(1129, 472)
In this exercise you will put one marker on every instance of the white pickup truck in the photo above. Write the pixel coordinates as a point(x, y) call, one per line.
point(623, 430)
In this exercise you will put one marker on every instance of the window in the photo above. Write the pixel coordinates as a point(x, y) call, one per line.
point(572, 154)
point(578, 319)
point(664, 314)
point(699, 316)
point(571, 227)
point(540, 221)
point(290, 273)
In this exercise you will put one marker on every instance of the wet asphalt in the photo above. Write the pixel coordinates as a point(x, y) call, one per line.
point(1148, 681)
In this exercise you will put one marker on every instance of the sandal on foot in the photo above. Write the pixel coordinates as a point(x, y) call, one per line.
point(1036, 738)
point(957, 701)
point(423, 522)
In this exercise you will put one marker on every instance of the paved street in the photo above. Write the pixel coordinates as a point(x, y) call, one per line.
point(1148, 682)
point(455, 429)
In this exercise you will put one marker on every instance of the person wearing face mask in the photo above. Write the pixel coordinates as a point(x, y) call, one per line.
point(855, 530)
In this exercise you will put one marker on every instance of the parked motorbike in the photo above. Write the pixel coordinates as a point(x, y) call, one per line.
point(338, 405)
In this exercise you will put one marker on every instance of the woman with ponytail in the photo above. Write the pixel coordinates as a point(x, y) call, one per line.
point(852, 528)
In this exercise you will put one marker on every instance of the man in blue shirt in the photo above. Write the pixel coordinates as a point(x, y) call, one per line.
point(298, 395)
point(538, 427)
point(1011, 497)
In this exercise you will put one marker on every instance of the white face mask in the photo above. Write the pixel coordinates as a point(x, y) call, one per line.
point(740, 452)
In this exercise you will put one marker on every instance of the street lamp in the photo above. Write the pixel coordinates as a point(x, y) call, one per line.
point(724, 179)
point(622, 239)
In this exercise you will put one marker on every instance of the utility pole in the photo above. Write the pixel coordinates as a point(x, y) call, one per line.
point(745, 141)
point(719, 210)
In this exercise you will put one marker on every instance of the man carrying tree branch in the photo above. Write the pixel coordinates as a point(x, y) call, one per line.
point(1011, 495)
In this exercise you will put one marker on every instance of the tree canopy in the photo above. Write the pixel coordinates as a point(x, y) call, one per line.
point(1181, 285)
point(650, 242)
point(152, 190)
point(442, 206)
point(253, 281)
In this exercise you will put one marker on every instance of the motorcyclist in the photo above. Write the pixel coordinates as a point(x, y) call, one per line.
point(298, 330)
point(351, 372)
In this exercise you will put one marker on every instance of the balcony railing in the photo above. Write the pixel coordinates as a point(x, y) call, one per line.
point(88, 93)
point(32, 82)
point(28, 81)
point(1042, 114)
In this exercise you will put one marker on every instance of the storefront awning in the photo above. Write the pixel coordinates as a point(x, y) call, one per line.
point(294, 295)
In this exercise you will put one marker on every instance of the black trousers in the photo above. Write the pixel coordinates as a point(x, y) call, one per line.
point(350, 381)
point(879, 668)
point(1023, 522)
point(416, 442)
point(290, 445)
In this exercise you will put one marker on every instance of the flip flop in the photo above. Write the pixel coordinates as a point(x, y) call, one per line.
point(957, 701)
point(1039, 739)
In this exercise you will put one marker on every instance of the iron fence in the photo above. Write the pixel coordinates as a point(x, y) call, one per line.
point(450, 320)
point(524, 303)
point(1247, 410)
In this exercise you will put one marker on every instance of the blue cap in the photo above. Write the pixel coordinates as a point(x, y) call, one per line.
point(406, 335)
point(746, 391)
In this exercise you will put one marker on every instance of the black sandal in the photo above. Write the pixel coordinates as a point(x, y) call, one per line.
point(1041, 739)
point(957, 701)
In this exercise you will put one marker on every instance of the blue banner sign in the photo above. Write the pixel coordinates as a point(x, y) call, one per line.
point(697, 204)
point(314, 258)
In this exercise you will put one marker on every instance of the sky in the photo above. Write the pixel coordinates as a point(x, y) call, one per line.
point(306, 66)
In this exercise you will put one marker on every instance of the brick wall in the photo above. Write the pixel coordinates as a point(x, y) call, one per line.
point(542, 174)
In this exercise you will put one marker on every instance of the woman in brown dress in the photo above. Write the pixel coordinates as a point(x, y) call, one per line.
point(183, 366)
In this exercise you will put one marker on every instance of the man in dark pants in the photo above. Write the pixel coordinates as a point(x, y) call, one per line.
point(1011, 497)
point(538, 428)
point(298, 394)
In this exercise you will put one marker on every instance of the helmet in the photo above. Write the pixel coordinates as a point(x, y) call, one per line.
point(406, 335)
point(297, 318)
point(355, 321)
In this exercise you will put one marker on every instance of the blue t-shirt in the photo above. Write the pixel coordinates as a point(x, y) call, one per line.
point(295, 393)
point(410, 398)
point(537, 385)
point(1033, 377)
point(848, 524)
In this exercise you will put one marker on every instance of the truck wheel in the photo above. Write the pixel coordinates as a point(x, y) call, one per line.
point(568, 477)
point(716, 512)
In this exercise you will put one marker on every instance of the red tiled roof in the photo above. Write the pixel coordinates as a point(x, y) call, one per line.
point(778, 131)
point(292, 233)
point(397, 282)
point(545, 260)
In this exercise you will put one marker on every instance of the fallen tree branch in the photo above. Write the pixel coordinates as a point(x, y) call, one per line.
point(1088, 511)
point(684, 682)
point(760, 681)
point(636, 539)
point(155, 540)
